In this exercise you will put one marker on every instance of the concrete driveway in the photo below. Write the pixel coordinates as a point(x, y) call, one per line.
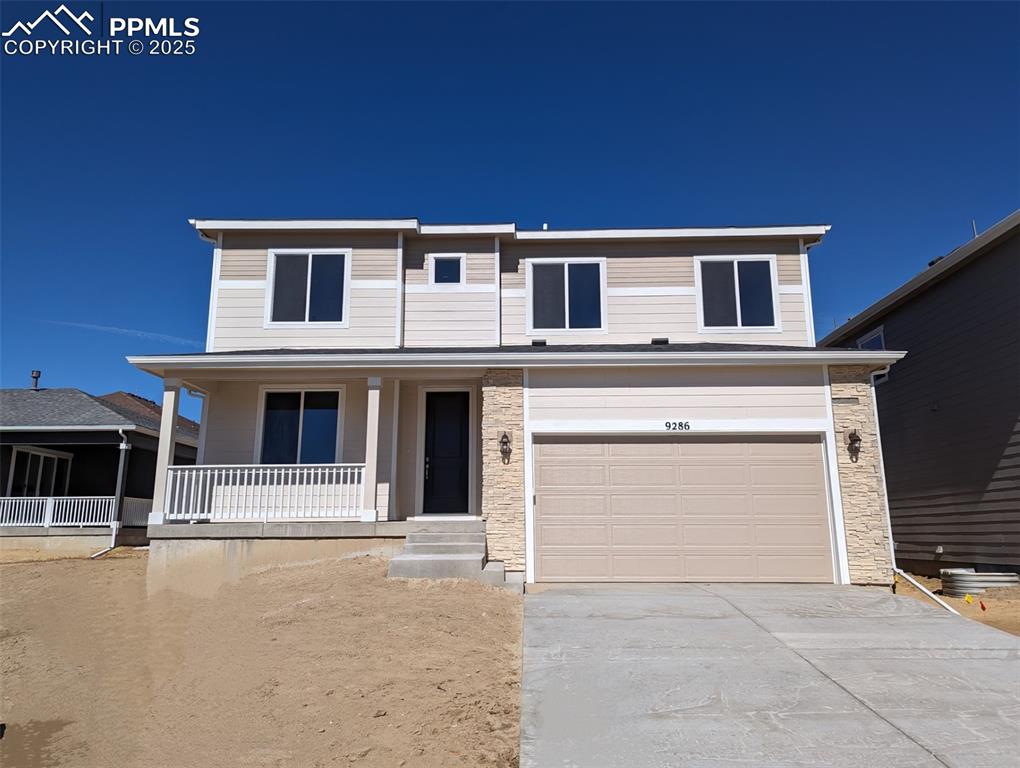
point(762, 675)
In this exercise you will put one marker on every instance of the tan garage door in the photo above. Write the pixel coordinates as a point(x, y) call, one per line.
point(682, 509)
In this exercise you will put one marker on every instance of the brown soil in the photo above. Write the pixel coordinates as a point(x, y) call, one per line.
point(1002, 606)
point(312, 665)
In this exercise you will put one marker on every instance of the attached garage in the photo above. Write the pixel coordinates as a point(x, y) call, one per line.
point(681, 508)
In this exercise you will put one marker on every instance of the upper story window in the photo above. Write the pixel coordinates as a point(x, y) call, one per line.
point(301, 427)
point(309, 286)
point(447, 269)
point(567, 294)
point(874, 340)
point(737, 293)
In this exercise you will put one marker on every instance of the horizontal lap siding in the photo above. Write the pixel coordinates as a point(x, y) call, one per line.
point(636, 319)
point(449, 318)
point(950, 416)
point(480, 257)
point(675, 393)
point(244, 264)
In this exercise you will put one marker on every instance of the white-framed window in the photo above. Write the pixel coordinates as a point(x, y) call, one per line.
point(737, 293)
point(308, 287)
point(874, 339)
point(300, 425)
point(566, 295)
point(38, 472)
point(447, 270)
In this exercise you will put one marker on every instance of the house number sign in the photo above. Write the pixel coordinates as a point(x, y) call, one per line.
point(678, 426)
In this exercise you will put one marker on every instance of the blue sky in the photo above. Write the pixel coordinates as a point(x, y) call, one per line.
point(896, 123)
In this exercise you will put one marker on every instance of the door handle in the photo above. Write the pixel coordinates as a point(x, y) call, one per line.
point(426, 467)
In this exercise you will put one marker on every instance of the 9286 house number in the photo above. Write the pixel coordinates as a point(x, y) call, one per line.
point(678, 426)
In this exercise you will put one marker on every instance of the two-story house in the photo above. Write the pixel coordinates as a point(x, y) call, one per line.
point(951, 410)
point(606, 405)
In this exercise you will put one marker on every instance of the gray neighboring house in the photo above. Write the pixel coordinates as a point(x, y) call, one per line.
point(950, 410)
point(77, 465)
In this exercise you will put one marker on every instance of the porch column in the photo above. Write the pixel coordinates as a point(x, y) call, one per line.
point(167, 445)
point(118, 501)
point(368, 511)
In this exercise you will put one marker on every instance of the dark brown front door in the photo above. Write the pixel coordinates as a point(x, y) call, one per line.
point(446, 453)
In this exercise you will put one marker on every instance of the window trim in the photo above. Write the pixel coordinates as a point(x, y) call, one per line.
point(345, 313)
point(531, 330)
point(880, 333)
point(265, 389)
point(777, 317)
point(462, 257)
point(39, 452)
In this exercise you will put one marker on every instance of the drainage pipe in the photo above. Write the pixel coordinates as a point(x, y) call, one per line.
point(885, 496)
point(100, 553)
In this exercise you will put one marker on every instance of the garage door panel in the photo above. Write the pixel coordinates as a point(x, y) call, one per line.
point(719, 534)
point(682, 509)
point(714, 505)
point(714, 475)
point(556, 506)
point(576, 534)
point(645, 534)
point(642, 505)
point(649, 567)
point(562, 475)
point(643, 476)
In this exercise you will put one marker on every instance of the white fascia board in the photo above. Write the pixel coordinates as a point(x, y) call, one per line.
point(158, 365)
point(285, 225)
point(816, 231)
point(76, 428)
point(467, 229)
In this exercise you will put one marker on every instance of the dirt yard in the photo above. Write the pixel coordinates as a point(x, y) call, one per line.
point(313, 665)
point(1002, 606)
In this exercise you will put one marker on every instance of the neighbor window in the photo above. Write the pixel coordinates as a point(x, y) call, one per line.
point(300, 427)
point(566, 295)
point(309, 287)
point(35, 472)
point(874, 340)
point(737, 293)
point(446, 268)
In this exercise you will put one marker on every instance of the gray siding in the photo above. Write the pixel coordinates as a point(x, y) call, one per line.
point(950, 416)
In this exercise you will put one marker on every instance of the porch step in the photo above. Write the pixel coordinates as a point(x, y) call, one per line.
point(411, 566)
point(473, 525)
point(494, 574)
point(445, 548)
point(432, 537)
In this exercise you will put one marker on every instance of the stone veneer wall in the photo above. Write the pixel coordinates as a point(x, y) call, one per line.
point(861, 483)
point(503, 484)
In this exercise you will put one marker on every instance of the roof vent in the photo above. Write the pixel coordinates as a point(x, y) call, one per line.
point(660, 341)
point(35, 379)
point(538, 343)
point(935, 261)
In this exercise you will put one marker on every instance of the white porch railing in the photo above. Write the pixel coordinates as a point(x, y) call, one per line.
point(58, 511)
point(263, 492)
point(135, 512)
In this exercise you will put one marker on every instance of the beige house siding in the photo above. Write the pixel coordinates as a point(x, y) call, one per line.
point(670, 394)
point(651, 292)
point(861, 482)
point(240, 311)
point(503, 482)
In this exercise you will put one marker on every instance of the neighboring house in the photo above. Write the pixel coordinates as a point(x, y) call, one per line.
point(615, 404)
point(950, 411)
point(72, 464)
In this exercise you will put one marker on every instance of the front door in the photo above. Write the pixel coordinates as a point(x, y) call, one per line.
point(446, 453)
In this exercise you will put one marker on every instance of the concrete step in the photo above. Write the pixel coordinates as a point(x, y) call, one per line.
point(494, 573)
point(409, 566)
point(469, 525)
point(432, 537)
point(444, 548)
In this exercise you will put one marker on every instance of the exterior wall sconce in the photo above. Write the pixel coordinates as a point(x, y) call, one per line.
point(853, 445)
point(504, 448)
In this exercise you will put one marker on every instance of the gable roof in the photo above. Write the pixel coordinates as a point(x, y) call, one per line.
point(71, 409)
point(938, 270)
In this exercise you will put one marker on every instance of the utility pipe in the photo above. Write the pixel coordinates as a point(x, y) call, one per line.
point(885, 496)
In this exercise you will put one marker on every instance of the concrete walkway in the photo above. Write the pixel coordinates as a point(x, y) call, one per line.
point(762, 675)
